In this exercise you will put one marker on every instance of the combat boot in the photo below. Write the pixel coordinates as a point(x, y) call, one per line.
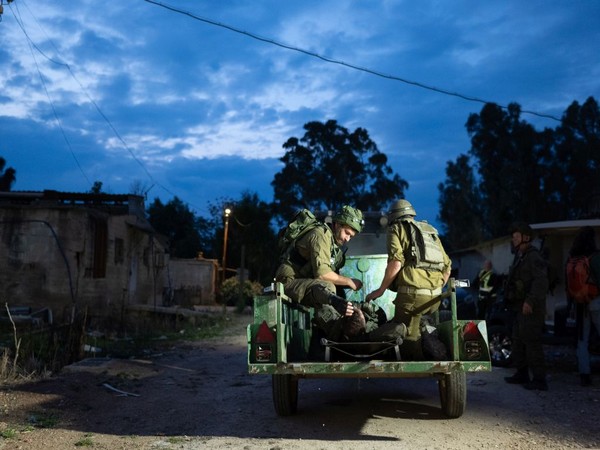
point(586, 379)
point(520, 377)
point(537, 384)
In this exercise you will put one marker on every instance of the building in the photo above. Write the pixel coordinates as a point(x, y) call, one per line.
point(88, 252)
point(553, 238)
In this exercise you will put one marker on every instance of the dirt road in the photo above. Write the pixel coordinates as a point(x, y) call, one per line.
point(199, 396)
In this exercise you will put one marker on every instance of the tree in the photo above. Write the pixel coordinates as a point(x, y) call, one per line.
point(176, 221)
point(96, 187)
point(7, 176)
point(138, 187)
point(329, 167)
point(460, 205)
point(508, 155)
point(250, 236)
point(524, 174)
point(574, 173)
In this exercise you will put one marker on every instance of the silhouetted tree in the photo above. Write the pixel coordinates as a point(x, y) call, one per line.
point(329, 167)
point(96, 187)
point(460, 205)
point(176, 221)
point(509, 164)
point(524, 174)
point(250, 232)
point(574, 173)
point(7, 176)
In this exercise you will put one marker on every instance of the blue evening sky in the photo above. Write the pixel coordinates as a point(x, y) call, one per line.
point(192, 104)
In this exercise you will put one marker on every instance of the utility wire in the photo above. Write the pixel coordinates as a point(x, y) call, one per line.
point(58, 122)
point(341, 63)
point(32, 45)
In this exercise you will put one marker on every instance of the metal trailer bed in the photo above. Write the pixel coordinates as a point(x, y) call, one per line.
point(279, 344)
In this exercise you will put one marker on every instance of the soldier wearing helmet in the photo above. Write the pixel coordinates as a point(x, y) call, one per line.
point(525, 295)
point(311, 274)
point(418, 288)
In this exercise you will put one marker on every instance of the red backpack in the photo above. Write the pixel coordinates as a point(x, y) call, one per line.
point(580, 285)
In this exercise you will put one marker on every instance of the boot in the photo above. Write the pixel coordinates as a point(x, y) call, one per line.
point(520, 377)
point(586, 379)
point(537, 384)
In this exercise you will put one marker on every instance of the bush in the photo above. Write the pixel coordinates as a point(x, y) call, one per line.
point(230, 292)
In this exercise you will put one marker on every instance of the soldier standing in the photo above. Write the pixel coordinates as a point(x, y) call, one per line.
point(486, 283)
point(526, 290)
point(418, 288)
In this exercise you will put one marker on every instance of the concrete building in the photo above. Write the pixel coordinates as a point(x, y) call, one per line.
point(94, 252)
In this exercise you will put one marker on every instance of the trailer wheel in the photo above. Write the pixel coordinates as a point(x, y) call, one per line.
point(285, 394)
point(453, 393)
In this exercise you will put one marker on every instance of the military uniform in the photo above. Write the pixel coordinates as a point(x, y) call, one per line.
point(315, 254)
point(486, 280)
point(417, 289)
point(528, 283)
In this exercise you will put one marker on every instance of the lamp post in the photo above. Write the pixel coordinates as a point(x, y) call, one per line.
point(226, 214)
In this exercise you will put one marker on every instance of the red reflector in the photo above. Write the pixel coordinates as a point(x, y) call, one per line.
point(470, 331)
point(263, 343)
point(264, 334)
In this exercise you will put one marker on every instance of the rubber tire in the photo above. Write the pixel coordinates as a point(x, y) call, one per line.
point(501, 331)
point(453, 393)
point(285, 394)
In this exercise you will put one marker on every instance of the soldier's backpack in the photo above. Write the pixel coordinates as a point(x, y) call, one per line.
point(580, 284)
point(426, 251)
point(302, 222)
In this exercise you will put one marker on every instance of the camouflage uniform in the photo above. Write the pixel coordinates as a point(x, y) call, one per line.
point(528, 283)
point(315, 254)
point(417, 289)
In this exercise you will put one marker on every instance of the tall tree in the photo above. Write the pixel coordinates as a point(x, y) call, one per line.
point(7, 176)
point(509, 155)
point(176, 221)
point(460, 205)
point(574, 175)
point(330, 166)
point(528, 175)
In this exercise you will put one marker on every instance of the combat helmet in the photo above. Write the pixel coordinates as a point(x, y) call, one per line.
point(351, 217)
point(399, 209)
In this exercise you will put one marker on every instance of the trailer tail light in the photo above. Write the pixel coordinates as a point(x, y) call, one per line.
point(472, 341)
point(264, 343)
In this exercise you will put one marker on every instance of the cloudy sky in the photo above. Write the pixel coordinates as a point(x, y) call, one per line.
point(195, 98)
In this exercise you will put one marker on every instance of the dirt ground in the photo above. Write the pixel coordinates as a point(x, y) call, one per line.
point(199, 396)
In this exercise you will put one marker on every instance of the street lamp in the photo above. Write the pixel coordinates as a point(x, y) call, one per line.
point(226, 214)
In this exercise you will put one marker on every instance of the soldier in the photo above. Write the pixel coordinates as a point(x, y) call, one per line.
point(486, 283)
point(310, 274)
point(418, 282)
point(526, 289)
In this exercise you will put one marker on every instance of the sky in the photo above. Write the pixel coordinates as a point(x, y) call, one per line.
point(195, 99)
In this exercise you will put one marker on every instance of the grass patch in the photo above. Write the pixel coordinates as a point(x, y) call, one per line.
point(85, 441)
point(9, 433)
point(43, 420)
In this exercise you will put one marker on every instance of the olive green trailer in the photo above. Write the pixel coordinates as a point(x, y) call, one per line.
point(280, 338)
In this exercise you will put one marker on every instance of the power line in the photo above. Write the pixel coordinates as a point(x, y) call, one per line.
point(58, 122)
point(32, 46)
point(341, 63)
